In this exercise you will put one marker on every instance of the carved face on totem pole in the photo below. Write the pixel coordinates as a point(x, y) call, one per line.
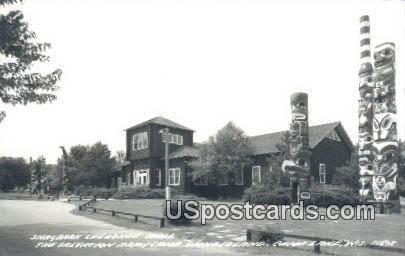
point(384, 77)
point(299, 106)
point(298, 165)
point(385, 145)
point(385, 169)
point(385, 126)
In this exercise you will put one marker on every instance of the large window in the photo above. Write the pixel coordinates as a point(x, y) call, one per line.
point(174, 176)
point(140, 141)
point(141, 178)
point(322, 173)
point(158, 177)
point(223, 178)
point(256, 175)
point(239, 176)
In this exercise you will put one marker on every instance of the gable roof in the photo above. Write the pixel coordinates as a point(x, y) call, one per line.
point(267, 143)
point(161, 121)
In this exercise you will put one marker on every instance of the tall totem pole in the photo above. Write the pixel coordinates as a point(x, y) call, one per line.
point(378, 144)
point(298, 166)
point(385, 145)
point(366, 91)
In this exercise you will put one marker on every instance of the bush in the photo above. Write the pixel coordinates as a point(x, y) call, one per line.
point(321, 195)
point(140, 193)
point(101, 192)
point(324, 195)
point(186, 197)
point(264, 195)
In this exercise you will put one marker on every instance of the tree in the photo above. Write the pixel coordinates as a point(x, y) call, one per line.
point(98, 165)
point(88, 165)
point(20, 51)
point(14, 172)
point(223, 154)
point(120, 156)
point(40, 173)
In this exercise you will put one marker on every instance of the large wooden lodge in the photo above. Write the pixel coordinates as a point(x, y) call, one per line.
point(330, 145)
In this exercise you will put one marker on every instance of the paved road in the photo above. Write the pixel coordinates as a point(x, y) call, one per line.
point(20, 221)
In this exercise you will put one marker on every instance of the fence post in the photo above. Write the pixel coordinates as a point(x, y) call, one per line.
point(248, 235)
point(317, 245)
point(162, 222)
point(136, 218)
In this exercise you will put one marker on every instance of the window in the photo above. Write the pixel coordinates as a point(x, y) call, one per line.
point(239, 176)
point(177, 139)
point(140, 141)
point(256, 174)
point(158, 177)
point(201, 181)
point(322, 174)
point(141, 178)
point(223, 178)
point(174, 176)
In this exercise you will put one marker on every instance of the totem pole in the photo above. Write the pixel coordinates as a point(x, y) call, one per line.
point(385, 145)
point(378, 144)
point(366, 91)
point(298, 166)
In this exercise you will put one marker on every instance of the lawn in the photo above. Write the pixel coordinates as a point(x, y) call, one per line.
point(390, 227)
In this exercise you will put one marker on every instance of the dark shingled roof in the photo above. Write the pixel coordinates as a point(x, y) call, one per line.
point(266, 143)
point(161, 121)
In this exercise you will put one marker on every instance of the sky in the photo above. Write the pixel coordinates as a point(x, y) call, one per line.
point(198, 63)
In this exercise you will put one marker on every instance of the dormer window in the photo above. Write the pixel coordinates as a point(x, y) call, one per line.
point(140, 141)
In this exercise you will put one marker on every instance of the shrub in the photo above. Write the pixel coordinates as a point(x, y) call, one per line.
point(264, 195)
point(324, 195)
point(140, 193)
point(186, 197)
point(101, 192)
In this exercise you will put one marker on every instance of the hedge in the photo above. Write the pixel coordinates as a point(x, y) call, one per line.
point(101, 192)
point(140, 193)
point(264, 195)
point(321, 195)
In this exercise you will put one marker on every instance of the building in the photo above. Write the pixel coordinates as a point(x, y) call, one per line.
point(330, 145)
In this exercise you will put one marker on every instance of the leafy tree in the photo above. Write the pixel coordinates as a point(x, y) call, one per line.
point(98, 165)
point(14, 172)
point(88, 165)
point(223, 154)
point(120, 156)
point(20, 51)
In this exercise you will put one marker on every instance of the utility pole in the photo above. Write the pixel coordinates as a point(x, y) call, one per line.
point(165, 138)
point(30, 176)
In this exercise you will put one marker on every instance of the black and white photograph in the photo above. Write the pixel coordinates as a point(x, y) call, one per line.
point(202, 127)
